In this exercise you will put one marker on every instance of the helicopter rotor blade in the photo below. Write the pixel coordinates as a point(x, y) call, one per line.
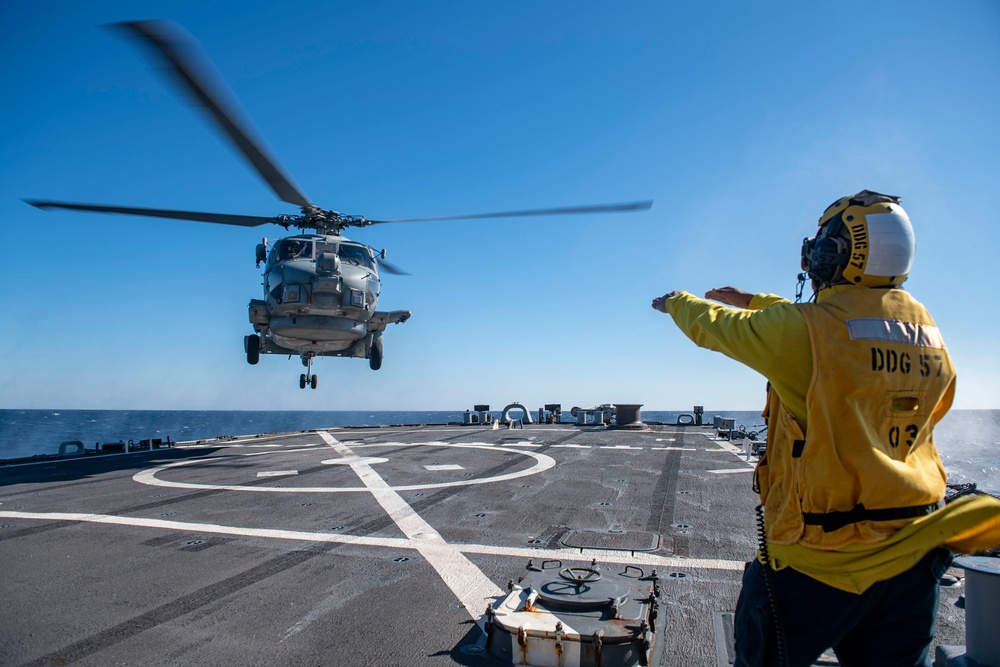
point(569, 210)
point(221, 218)
point(191, 70)
point(388, 267)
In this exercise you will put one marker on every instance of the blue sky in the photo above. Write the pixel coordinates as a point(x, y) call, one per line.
point(742, 120)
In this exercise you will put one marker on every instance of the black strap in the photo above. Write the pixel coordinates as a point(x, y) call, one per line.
point(831, 521)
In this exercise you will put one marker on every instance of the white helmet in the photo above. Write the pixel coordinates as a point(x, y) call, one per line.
point(865, 239)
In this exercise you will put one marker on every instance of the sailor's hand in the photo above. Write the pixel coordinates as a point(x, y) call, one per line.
point(731, 296)
point(660, 301)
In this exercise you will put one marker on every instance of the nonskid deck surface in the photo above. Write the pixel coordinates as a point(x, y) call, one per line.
point(362, 546)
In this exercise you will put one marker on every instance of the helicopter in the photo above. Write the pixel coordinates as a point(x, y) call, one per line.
point(321, 289)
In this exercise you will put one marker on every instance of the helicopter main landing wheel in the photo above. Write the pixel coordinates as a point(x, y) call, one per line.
point(302, 381)
point(252, 345)
point(312, 382)
point(375, 358)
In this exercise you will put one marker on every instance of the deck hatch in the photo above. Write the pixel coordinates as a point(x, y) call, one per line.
point(625, 540)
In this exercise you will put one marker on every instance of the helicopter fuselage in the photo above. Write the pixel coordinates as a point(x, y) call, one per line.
point(320, 298)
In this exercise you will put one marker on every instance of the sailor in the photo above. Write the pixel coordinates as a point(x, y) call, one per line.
point(851, 485)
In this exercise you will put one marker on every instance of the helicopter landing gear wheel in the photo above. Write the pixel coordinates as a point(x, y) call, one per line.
point(252, 346)
point(375, 357)
point(307, 378)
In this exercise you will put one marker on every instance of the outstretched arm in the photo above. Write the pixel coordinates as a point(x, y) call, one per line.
point(731, 296)
point(660, 301)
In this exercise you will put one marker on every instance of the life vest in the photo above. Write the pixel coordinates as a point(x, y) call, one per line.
point(867, 465)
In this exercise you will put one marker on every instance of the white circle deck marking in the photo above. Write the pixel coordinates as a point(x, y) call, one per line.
point(542, 463)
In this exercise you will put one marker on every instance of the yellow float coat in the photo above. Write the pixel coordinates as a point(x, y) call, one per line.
point(772, 337)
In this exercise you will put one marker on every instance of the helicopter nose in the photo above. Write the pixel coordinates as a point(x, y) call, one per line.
point(295, 276)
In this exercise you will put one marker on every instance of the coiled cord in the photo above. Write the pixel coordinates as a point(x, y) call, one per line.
point(781, 645)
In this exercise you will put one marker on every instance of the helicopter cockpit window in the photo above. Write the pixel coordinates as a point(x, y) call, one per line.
point(356, 254)
point(294, 249)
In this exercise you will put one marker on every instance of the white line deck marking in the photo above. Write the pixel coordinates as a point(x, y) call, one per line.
point(277, 473)
point(619, 447)
point(444, 466)
point(574, 554)
point(729, 471)
point(370, 460)
point(473, 588)
point(674, 449)
point(572, 446)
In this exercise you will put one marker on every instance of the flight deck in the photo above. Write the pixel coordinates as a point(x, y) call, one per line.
point(373, 546)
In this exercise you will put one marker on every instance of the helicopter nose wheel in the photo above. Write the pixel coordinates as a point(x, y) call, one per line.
point(307, 378)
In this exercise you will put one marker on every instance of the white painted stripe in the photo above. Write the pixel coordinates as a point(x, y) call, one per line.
point(370, 460)
point(295, 535)
point(666, 439)
point(622, 557)
point(725, 447)
point(674, 449)
point(619, 447)
point(239, 442)
point(473, 588)
point(277, 473)
point(605, 556)
point(444, 466)
point(729, 471)
point(572, 446)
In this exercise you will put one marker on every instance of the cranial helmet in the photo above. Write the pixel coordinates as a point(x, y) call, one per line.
point(865, 239)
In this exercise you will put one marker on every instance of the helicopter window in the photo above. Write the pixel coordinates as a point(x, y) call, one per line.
point(294, 249)
point(356, 254)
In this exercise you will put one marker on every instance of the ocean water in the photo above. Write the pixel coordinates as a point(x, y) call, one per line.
point(968, 440)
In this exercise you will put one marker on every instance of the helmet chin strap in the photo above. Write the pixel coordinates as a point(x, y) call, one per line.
point(800, 286)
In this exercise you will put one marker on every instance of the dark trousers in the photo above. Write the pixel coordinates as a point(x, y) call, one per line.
point(891, 623)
